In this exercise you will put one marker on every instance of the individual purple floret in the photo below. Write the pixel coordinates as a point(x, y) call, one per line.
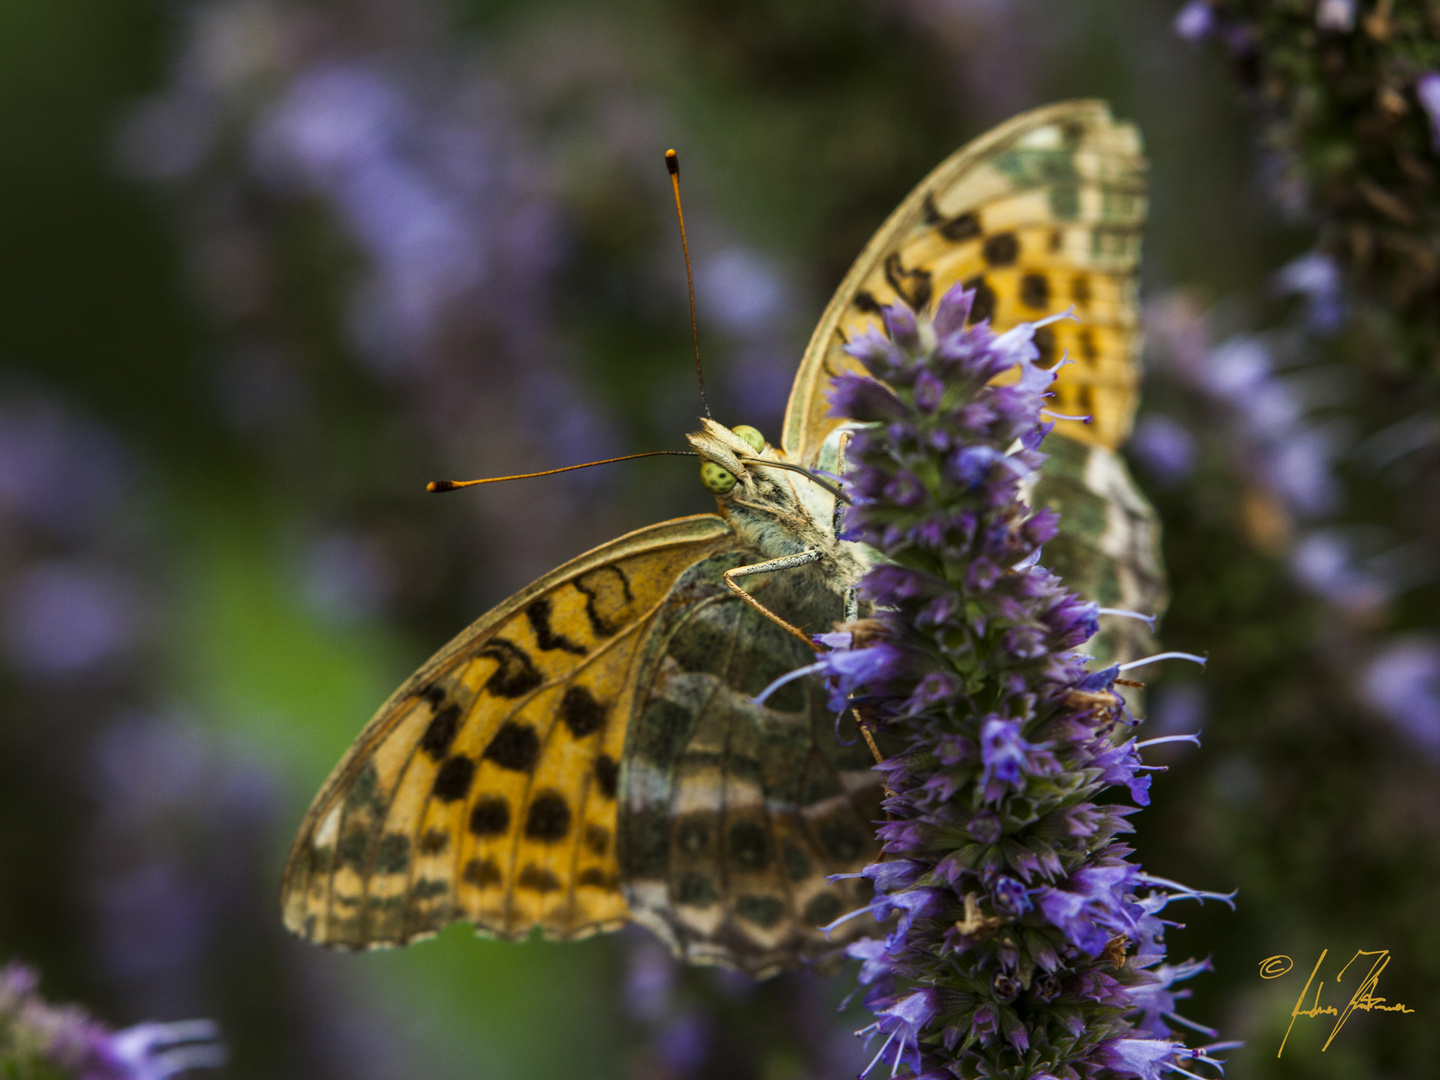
point(1021, 941)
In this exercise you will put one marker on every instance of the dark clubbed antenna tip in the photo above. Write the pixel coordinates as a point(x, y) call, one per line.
point(437, 486)
point(672, 162)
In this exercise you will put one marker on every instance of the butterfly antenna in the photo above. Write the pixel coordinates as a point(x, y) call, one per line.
point(455, 485)
point(672, 162)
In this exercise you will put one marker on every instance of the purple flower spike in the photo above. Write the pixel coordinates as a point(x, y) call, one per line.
point(997, 859)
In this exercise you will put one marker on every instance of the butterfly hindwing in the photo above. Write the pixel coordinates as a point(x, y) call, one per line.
point(1040, 214)
point(485, 789)
point(732, 813)
point(1108, 548)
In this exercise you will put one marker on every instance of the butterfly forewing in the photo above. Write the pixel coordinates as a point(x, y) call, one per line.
point(485, 789)
point(1040, 214)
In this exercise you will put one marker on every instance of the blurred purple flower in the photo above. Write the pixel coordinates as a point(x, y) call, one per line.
point(1316, 276)
point(649, 979)
point(67, 618)
point(742, 292)
point(346, 576)
point(1324, 562)
point(1402, 683)
point(684, 1044)
point(1178, 709)
point(347, 132)
point(1427, 91)
point(1283, 446)
point(56, 471)
point(1166, 448)
point(1335, 15)
point(68, 1040)
point(1195, 21)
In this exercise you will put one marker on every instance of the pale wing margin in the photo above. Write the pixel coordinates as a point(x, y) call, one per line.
point(351, 879)
point(806, 425)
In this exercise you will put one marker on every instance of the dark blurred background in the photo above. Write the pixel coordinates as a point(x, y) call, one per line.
point(266, 267)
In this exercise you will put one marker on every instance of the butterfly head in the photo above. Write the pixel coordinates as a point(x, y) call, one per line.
point(722, 451)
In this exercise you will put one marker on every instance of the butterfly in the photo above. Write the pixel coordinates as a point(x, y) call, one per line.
point(590, 753)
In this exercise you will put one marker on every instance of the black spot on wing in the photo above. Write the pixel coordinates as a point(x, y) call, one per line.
point(1001, 250)
point(490, 816)
point(394, 854)
point(453, 780)
point(597, 839)
point(549, 818)
point(607, 775)
point(598, 586)
point(984, 304)
point(797, 863)
point(538, 879)
point(598, 879)
point(693, 835)
point(352, 847)
point(516, 676)
point(1080, 290)
point(749, 845)
point(866, 302)
point(964, 227)
point(515, 747)
point(1035, 291)
point(582, 714)
point(364, 794)
point(763, 911)
point(841, 839)
point(482, 873)
point(913, 286)
point(823, 909)
point(1045, 343)
point(441, 731)
point(539, 614)
point(434, 842)
point(696, 890)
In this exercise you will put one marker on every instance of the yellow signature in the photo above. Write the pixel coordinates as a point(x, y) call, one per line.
point(1364, 999)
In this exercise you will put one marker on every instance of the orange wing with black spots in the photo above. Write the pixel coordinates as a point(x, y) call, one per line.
point(484, 790)
point(1042, 213)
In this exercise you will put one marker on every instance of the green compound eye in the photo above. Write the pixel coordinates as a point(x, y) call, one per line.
point(751, 436)
point(716, 478)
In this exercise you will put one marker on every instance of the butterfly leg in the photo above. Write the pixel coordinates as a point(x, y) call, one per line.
point(787, 563)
